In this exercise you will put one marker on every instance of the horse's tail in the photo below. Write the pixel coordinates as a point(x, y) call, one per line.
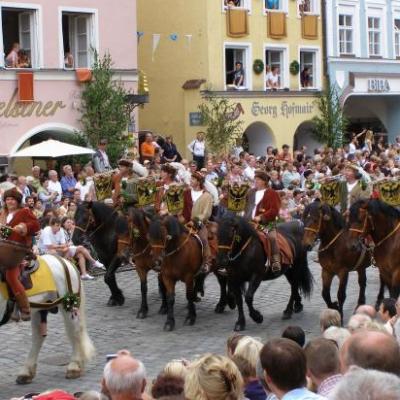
point(305, 278)
point(86, 345)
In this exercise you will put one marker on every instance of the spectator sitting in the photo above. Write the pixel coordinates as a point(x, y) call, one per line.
point(296, 334)
point(328, 318)
point(45, 196)
point(54, 186)
point(323, 365)
point(284, 212)
point(170, 153)
point(359, 384)
point(371, 350)
point(124, 378)
point(176, 368)
point(63, 209)
point(284, 364)
point(213, 377)
point(336, 334)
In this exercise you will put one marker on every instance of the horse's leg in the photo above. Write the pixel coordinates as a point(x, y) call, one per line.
point(341, 294)
point(294, 289)
point(28, 371)
point(362, 283)
point(191, 297)
point(117, 298)
point(236, 289)
point(220, 307)
point(381, 292)
point(254, 283)
point(326, 289)
point(163, 295)
point(144, 308)
point(170, 294)
point(395, 284)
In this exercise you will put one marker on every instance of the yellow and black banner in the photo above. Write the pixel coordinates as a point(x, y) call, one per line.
point(146, 191)
point(330, 192)
point(174, 199)
point(389, 191)
point(237, 197)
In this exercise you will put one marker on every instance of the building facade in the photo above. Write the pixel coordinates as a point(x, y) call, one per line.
point(363, 61)
point(190, 49)
point(40, 88)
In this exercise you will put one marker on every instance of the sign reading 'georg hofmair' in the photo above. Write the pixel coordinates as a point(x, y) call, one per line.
point(286, 109)
point(14, 109)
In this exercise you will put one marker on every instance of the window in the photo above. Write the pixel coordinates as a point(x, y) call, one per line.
point(275, 5)
point(236, 3)
point(374, 36)
point(308, 69)
point(345, 34)
point(308, 6)
point(236, 68)
point(397, 37)
point(78, 47)
point(20, 37)
point(274, 69)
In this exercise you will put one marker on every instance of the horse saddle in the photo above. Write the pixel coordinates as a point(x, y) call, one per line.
point(25, 277)
point(285, 249)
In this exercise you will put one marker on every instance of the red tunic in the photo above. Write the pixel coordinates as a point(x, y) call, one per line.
point(25, 216)
point(268, 207)
point(187, 205)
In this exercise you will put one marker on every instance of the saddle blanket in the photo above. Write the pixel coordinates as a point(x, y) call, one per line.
point(42, 281)
point(285, 249)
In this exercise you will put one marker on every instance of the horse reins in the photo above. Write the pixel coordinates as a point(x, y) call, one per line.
point(243, 248)
point(172, 252)
point(92, 219)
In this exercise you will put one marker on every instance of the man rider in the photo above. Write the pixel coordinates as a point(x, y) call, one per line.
point(263, 204)
point(197, 208)
point(24, 225)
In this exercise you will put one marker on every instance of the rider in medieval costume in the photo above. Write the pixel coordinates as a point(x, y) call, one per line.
point(263, 204)
point(168, 176)
point(198, 204)
point(24, 225)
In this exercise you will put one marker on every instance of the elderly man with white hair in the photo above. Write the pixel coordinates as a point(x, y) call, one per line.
point(54, 186)
point(124, 377)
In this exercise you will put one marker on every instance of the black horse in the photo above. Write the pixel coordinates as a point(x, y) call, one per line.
point(240, 250)
point(96, 223)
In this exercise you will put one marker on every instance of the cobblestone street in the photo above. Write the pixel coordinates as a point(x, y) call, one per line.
point(112, 329)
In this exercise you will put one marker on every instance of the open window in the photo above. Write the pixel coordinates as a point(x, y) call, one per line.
point(275, 5)
point(308, 6)
point(236, 3)
point(20, 37)
point(308, 69)
point(397, 37)
point(236, 68)
point(78, 40)
point(275, 69)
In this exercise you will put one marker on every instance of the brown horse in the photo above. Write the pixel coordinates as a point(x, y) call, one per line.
point(335, 255)
point(179, 253)
point(382, 222)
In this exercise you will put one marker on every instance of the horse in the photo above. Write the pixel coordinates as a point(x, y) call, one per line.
point(241, 252)
point(67, 283)
point(336, 258)
point(95, 222)
point(382, 222)
point(179, 254)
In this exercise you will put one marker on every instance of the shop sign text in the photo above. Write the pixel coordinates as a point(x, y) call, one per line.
point(378, 85)
point(286, 109)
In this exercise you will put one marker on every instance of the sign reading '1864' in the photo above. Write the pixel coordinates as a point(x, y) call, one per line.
point(378, 85)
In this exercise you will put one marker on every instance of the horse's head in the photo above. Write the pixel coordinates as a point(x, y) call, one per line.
point(360, 223)
point(228, 233)
point(158, 237)
point(84, 221)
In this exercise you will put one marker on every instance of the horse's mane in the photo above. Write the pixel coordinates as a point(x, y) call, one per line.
point(173, 227)
point(355, 207)
point(101, 211)
point(376, 206)
point(137, 216)
point(244, 228)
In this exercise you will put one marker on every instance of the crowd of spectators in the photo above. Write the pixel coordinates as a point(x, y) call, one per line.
point(361, 361)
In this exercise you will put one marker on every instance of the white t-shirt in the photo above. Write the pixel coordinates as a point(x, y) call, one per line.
point(350, 187)
point(55, 187)
point(272, 79)
point(352, 148)
point(197, 148)
point(196, 195)
point(85, 189)
point(249, 172)
point(259, 197)
point(48, 238)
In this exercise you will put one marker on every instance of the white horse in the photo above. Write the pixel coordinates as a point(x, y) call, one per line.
point(75, 322)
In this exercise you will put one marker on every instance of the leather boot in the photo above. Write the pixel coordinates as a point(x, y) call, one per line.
point(23, 304)
point(276, 256)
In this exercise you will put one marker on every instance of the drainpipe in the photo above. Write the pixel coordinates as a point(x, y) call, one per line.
point(324, 42)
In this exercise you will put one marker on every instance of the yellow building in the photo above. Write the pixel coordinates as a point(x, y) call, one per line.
point(188, 49)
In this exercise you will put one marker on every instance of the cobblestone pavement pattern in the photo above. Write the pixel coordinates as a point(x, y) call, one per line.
point(112, 329)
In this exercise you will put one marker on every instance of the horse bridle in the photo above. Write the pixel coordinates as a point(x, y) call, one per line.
point(315, 230)
point(91, 220)
point(177, 249)
point(230, 247)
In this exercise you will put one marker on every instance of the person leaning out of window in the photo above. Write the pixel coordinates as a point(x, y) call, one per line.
point(198, 149)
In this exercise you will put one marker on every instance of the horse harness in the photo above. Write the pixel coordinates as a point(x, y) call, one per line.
point(178, 248)
point(90, 221)
point(230, 247)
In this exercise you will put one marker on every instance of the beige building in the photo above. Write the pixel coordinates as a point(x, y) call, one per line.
point(189, 49)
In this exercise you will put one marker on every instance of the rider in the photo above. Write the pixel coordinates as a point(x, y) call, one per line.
point(168, 178)
point(24, 225)
point(263, 204)
point(197, 210)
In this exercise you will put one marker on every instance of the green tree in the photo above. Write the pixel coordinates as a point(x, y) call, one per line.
point(104, 110)
point(223, 125)
point(331, 123)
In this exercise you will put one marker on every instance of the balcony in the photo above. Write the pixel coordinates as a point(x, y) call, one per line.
point(260, 93)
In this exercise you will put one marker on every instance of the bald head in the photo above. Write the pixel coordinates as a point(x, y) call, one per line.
point(371, 350)
point(124, 375)
point(366, 310)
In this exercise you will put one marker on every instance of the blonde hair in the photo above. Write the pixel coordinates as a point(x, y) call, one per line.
point(213, 377)
point(249, 349)
point(176, 368)
point(328, 318)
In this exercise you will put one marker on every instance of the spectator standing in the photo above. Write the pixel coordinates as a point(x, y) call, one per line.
point(250, 170)
point(54, 186)
point(285, 154)
point(387, 312)
point(45, 196)
point(170, 153)
point(147, 148)
point(101, 163)
point(36, 178)
point(68, 182)
point(290, 176)
point(198, 149)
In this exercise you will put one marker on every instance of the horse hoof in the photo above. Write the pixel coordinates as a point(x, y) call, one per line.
point(169, 326)
point(141, 314)
point(73, 374)
point(190, 321)
point(231, 302)
point(239, 327)
point(257, 317)
point(286, 315)
point(197, 299)
point(298, 308)
point(23, 379)
point(219, 308)
point(162, 310)
point(115, 301)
